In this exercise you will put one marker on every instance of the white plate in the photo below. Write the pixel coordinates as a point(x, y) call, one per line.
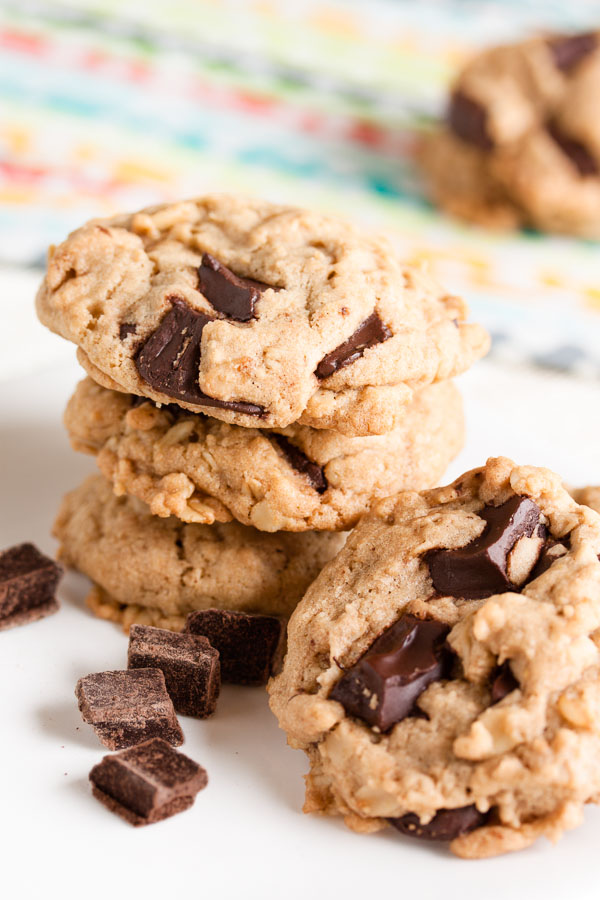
point(245, 837)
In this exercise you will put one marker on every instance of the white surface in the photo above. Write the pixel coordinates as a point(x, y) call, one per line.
point(245, 837)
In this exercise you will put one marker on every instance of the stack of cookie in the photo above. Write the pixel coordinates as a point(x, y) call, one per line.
point(257, 376)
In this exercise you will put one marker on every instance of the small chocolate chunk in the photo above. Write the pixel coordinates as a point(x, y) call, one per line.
point(301, 463)
point(384, 685)
point(28, 581)
point(577, 152)
point(481, 568)
point(569, 50)
point(468, 120)
point(446, 825)
point(188, 662)
point(169, 360)
point(127, 707)
point(229, 294)
point(372, 331)
point(148, 782)
point(249, 644)
point(126, 329)
point(551, 551)
point(503, 682)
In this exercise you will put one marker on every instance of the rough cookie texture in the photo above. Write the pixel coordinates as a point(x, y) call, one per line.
point(203, 470)
point(155, 571)
point(338, 335)
point(521, 144)
point(509, 723)
point(590, 496)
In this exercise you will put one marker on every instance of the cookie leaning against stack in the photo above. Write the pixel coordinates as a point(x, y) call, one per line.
point(247, 362)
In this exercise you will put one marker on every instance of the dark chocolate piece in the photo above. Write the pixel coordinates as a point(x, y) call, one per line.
point(169, 360)
point(126, 329)
point(148, 782)
point(372, 331)
point(577, 152)
point(569, 50)
point(188, 662)
point(503, 682)
point(301, 463)
point(248, 644)
point(384, 685)
point(468, 120)
point(28, 581)
point(446, 825)
point(481, 568)
point(126, 707)
point(551, 551)
point(234, 296)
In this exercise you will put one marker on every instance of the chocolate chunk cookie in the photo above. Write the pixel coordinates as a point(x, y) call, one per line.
point(521, 142)
point(155, 571)
point(203, 470)
point(443, 672)
point(259, 315)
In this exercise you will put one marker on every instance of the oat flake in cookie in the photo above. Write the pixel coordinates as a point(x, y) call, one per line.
point(203, 470)
point(256, 314)
point(443, 672)
point(155, 571)
point(521, 141)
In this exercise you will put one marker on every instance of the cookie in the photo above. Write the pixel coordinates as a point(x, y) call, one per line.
point(590, 496)
point(155, 571)
point(443, 672)
point(203, 470)
point(259, 315)
point(521, 142)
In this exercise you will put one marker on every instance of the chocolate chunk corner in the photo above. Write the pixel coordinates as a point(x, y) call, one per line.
point(574, 150)
point(302, 464)
point(371, 332)
point(383, 686)
point(446, 825)
point(125, 329)
point(503, 682)
point(127, 707)
point(249, 644)
point(480, 569)
point(230, 294)
point(188, 662)
point(567, 51)
point(28, 582)
point(467, 118)
point(147, 783)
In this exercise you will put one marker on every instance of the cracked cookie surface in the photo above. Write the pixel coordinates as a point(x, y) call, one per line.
point(521, 143)
point(469, 717)
point(155, 571)
point(203, 470)
point(259, 315)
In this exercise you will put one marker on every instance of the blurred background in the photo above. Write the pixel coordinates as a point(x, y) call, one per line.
point(108, 106)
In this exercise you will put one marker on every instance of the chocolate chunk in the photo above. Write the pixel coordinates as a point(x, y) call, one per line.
point(468, 120)
point(169, 360)
point(248, 644)
point(503, 682)
point(301, 463)
point(188, 662)
point(127, 707)
point(579, 155)
point(126, 329)
point(481, 568)
point(384, 685)
point(446, 825)
point(228, 293)
point(569, 50)
point(28, 581)
point(148, 782)
point(372, 331)
point(551, 551)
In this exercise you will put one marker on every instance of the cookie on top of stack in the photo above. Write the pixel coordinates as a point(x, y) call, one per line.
point(521, 144)
point(253, 370)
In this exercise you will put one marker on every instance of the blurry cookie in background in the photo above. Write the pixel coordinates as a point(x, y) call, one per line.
point(521, 142)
